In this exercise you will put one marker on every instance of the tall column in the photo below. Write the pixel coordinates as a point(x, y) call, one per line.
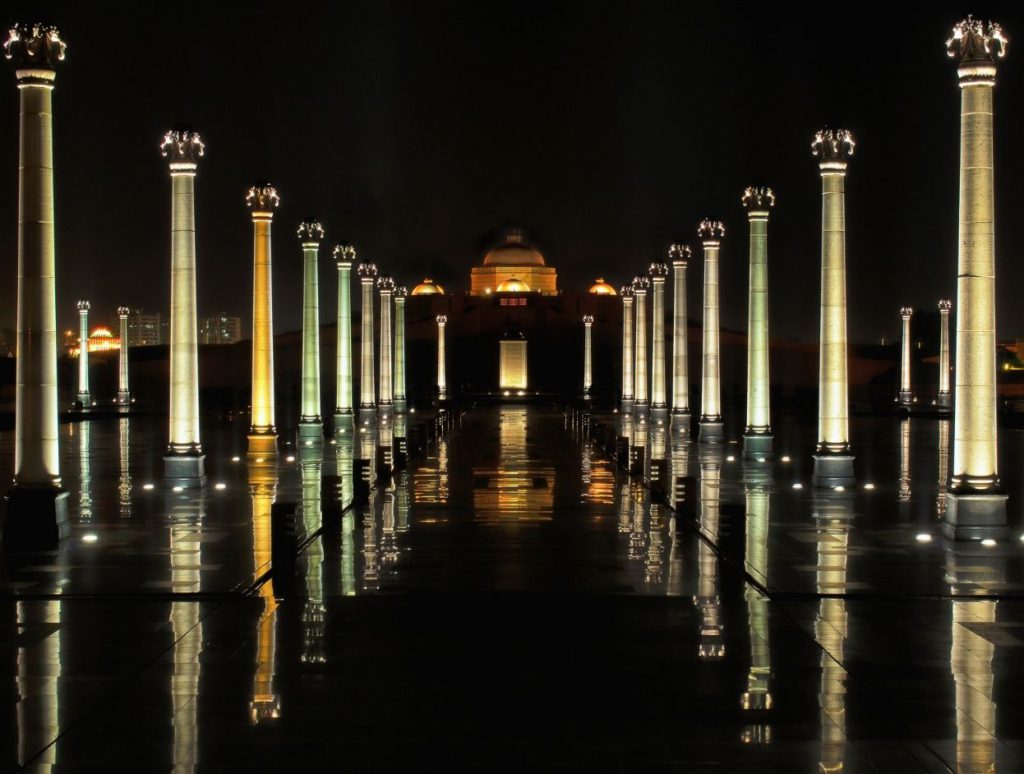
point(833, 462)
point(36, 504)
point(344, 256)
point(386, 286)
point(83, 399)
point(311, 426)
point(679, 255)
point(977, 506)
point(183, 463)
point(906, 396)
point(944, 400)
point(627, 347)
point(588, 346)
point(401, 400)
point(658, 271)
point(262, 200)
point(124, 396)
point(757, 437)
point(442, 380)
point(640, 400)
point(711, 425)
point(367, 389)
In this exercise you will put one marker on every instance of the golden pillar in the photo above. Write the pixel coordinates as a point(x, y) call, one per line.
point(944, 400)
point(261, 200)
point(757, 437)
point(658, 271)
point(401, 400)
point(367, 389)
point(906, 395)
point(679, 257)
point(386, 286)
point(311, 427)
point(588, 357)
point(640, 400)
point(442, 378)
point(833, 462)
point(83, 400)
point(976, 504)
point(124, 396)
point(711, 425)
point(344, 256)
point(626, 294)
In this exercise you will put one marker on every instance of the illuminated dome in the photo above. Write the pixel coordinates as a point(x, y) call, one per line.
point(101, 333)
point(428, 288)
point(513, 285)
point(514, 252)
point(602, 288)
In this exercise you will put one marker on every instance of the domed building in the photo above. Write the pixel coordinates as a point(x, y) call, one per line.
point(602, 288)
point(428, 288)
point(514, 260)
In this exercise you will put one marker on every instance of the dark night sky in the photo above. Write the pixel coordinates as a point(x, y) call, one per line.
point(419, 130)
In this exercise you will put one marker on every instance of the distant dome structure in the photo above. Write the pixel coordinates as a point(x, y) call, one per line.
point(602, 288)
point(428, 288)
point(514, 252)
point(513, 261)
point(513, 285)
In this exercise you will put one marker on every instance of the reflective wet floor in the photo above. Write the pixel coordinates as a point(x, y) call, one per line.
point(513, 601)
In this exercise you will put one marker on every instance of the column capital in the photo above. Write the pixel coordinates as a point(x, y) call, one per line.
point(310, 232)
point(344, 255)
point(35, 50)
point(123, 311)
point(626, 294)
point(588, 320)
point(658, 270)
point(385, 284)
point(83, 306)
point(945, 305)
point(906, 312)
point(710, 231)
point(640, 285)
point(182, 147)
point(262, 199)
point(976, 45)
point(833, 148)
point(441, 320)
point(679, 254)
point(400, 293)
point(367, 272)
point(758, 201)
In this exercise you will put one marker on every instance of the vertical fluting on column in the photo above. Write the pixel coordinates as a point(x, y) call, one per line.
point(183, 464)
point(386, 286)
point(367, 389)
point(588, 348)
point(311, 427)
point(124, 396)
point(833, 462)
point(627, 347)
point(977, 507)
point(401, 400)
point(679, 256)
point(906, 395)
point(37, 506)
point(944, 400)
point(711, 233)
point(261, 200)
point(640, 400)
point(658, 271)
point(83, 399)
point(442, 378)
point(757, 437)
point(344, 256)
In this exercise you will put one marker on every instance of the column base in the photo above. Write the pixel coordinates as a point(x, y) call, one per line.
point(310, 433)
point(262, 444)
point(401, 406)
point(832, 470)
point(711, 431)
point(343, 423)
point(944, 401)
point(641, 408)
point(758, 446)
point(124, 398)
point(681, 422)
point(975, 516)
point(35, 518)
point(626, 405)
point(659, 412)
point(185, 470)
point(83, 401)
point(367, 414)
point(906, 400)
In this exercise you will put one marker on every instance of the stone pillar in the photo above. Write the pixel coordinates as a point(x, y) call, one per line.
point(36, 504)
point(588, 345)
point(976, 504)
point(386, 286)
point(757, 437)
point(711, 425)
point(944, 400)
point(311, 426)
point(641, 404)
point(627, 347)
point(262, 200)
point(679, 255)
point(833, 462)
point(83, 399)
point(124, 396)
point(401, 400)
point(367, 389)
point(658, 271)
point(906, 396)
point(442, 381)
point(184, 461)
point(344, 256)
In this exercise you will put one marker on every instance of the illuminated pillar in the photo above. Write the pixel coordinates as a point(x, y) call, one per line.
point(442, 381)
point(83, 399)
point(588, 337)
point(658, 271)
point(367, 389)
point(183, 463)
point(711, 644)
point(344, 256)
point(261, 200)
point(401, 401)
point(833, 462)
point(36, 504)
point(904, 485)
point(711, 426)
point(757, 437)
point(124, 397)
point(976, 505)
point(265, 705)
point(906, 397)
point(386, 285)
point(640, 401)
point(944, 401)
point(679, 255)
point(311, 427)
point(757, 697)
point(627, 347)
point(831, 627)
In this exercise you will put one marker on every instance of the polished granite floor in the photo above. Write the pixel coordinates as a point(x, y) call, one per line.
point(513, 601)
